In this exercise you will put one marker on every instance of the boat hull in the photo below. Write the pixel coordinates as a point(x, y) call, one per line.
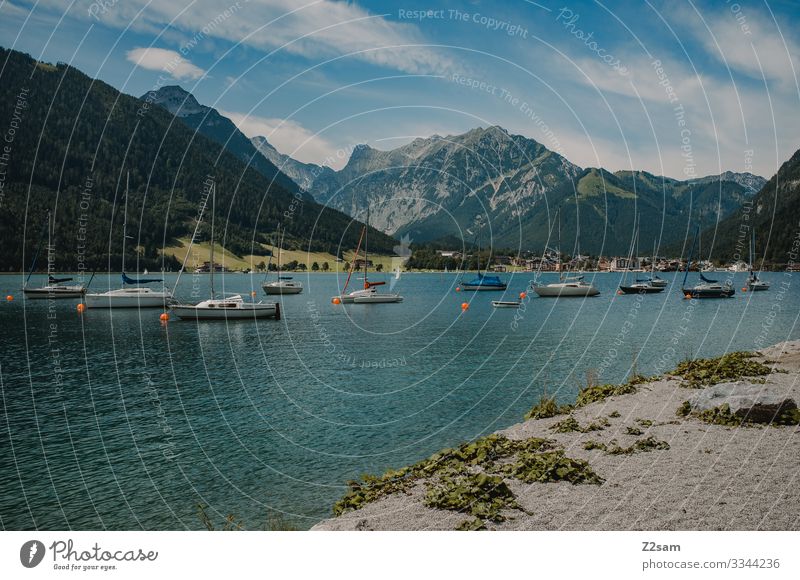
point(54, 293)
point(378, 299)
point(281, 290)
point(641, 289)
point(758, 287)
point(709, 292)
point(505, 304)
point(247, 312)
point(483, 287)
point(566, 291)
point(106, 300)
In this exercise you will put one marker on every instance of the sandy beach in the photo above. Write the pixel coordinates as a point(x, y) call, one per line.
point(711, 476)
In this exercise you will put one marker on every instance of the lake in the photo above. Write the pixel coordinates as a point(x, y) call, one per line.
point(115, 420)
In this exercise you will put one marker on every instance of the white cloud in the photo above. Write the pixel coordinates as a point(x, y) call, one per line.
point(320, 29)
point(744, 39)
point(289, 138)
point(167, 61)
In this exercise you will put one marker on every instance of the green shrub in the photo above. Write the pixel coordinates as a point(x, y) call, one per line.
point(733, 366)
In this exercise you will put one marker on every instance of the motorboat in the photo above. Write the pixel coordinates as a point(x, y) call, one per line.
point(283, 285)
point(574, 286)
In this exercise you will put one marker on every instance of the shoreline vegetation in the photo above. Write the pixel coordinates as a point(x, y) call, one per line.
point(712, 445)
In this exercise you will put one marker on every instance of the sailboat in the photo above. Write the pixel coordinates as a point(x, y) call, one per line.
point(483, 282)
point(284, 284)
point(639, 286)
point(707, 288)
point(567, 286)
point(754, 283)
point(56, 287)
point(227, 308)
point(369, 294)
point(133, 293)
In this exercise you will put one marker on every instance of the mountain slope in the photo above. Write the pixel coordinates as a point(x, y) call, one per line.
point(774, 214)
point(303, 174)
point(213, 125)
point(76, 139)
point(436, 187)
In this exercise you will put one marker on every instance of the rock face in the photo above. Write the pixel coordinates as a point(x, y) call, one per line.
point(754, 402)
point(434, 188)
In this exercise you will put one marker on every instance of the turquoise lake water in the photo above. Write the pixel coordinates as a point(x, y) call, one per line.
point(113, 420)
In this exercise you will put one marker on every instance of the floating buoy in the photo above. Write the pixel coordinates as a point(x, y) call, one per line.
point(80, 307)
point(522, 295)
point(464, 306)
point(744, 289)
point(253, 293)
point(164, 317)
point(620, 292)
point(337, 300)
point(687, 296)
point(10, 298)
point(458, 288)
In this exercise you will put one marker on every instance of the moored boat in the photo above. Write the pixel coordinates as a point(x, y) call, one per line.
point(506, 303)
point(484, 282)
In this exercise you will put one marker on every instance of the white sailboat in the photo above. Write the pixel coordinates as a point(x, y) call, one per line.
point(284, 284)
point(228, 308)
point(369, 294)
point(133, 293)
point(754, 283)
point(567, 286)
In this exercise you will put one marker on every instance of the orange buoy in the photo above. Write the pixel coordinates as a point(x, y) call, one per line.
point(620, 292)
point(522, 295)
point(744, 289)
point(458, 288)
point(9, 298)
point(253, 293)
point(687, 296)
point(164, 317)
point(464, 306)
point(80, 307)
point(337, 300)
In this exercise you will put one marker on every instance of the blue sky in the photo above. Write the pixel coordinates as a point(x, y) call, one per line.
point(676, 88)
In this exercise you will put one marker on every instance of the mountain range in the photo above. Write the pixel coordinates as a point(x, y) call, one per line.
point(75, 142)
point(440, 187)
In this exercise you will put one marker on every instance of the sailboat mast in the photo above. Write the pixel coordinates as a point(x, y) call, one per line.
point(38, 248)
point(125, 219)
point(366, 251)
point(213, 211)
point(560, 270)
point(689, 260)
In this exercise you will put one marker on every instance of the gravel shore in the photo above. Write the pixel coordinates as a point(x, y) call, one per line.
point(712, 477)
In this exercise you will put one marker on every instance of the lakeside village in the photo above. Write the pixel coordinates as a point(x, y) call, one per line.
point(425, 260)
